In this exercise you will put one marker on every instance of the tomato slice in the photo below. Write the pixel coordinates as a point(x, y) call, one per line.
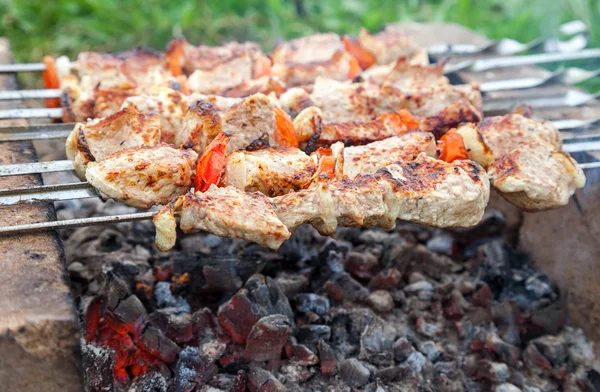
point(363, 56)
point(211, 164)
point(51, 80)
point(453, 147)
point(262, 67)
point(285, 134)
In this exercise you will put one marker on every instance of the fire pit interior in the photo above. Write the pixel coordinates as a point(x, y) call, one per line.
point(414, 308)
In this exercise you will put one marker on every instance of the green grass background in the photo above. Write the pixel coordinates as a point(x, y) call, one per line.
point(39, 27)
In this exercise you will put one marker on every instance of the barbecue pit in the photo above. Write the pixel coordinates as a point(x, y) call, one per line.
point(573, 225)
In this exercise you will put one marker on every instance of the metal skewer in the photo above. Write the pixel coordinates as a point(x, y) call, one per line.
point(77, 190)
point(564, 76)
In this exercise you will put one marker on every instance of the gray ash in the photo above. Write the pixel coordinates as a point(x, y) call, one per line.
point(411, 309)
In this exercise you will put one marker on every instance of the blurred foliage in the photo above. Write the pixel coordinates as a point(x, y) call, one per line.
point(39, 27)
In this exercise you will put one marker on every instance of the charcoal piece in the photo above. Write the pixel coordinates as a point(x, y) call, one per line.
point(454, 307)
point(430, 349)
point(539, 286)
point(165, 298)
point(149, 382)
point(239, 382)
point(492, 371)
point(507, 387)
point(232, 357)
point(327, 358)
point(354, 372)
point(342, 286)
point(506, 352)
point(204, 325)
point(97, 365)
point(482, 297)
point(413, 365)
point(549, 320)
point(291, 283)
point(123, 318)
point(310, 302)
point(221, 279)
point(445, 367)
point(388, 374)
point(213, 349)
point(260, 380)
point(115, 290)
point(387, 279)
point(295, 373)
point(362, 265)
point(154, 342)
point(427, 328)
point(311, 334)
point(192, 370)
point(506, 315)
point(442, 243)
point(381, 301)
point(267, 338)
point(376, 386)
point(330, 261)
point(260, 297)
point(415, 288)
point(534, 359)
point(301, 355)
point(402, 349)
point(175, 326)
point(376, 343)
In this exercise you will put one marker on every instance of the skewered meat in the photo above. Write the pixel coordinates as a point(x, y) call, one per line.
point(264, 85)
point(272, 171)
point(407, 75)
point(277, 171)
point(476, 146)
point(535, 176)
point(505, 133)
point(300, 61)
point(144, 176)
point(313, 132)
point(426, 191)
point(97, 139)
point(388, 45)
point(250, 120)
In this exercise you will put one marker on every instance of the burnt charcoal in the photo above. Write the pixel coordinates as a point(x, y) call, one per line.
point(376, 386)
point(402, 349)
point(97, 365)
point(507, 387)
point(295, 373)
point(387, 279)
point(239, 382)
point(343, 287)
point(213, 349)
point(310, 302)
point(354, 372)
point(381, 301)
point(204, 325)
point(550, 320)
point(260, 380)
point(165, 298)
point(312, 333)
point(492, 371)
point(506, 317)
point(291, 283)
point(176, 326)
point(221, 278)
point(361, 265)
point(115, 290)
point(388, 374)
point(330, 261)
point(442, 243)
point(232, 357)
point(192, 370)
point(454, 308)
point(534, 359)
point(124, 317)
point(150, 382)
point(327, 358)
point(505, 352)
point(430, 349)
point(581, 352)
point(417, 287)
point(376, 343)
point(539, 286)
point(413, 365)
point(267, 338)
point(446, 367)
point(429, 329)
point(154, 342)
point(482, 296)
point(301, 355)
point(260, 297)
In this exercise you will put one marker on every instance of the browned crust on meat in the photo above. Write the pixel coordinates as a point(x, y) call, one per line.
point(450, 117)
point(211, 123)
point(420, 177)
point(83, 147)
point(506, 166)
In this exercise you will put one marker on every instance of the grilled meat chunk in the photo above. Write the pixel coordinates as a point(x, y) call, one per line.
point(272, 171)
point(305, 50)
point(144, 176)
point(406, 75)
point(505, 133)
point(97, 139)
point(536, 177)
point(313, 132)
point(426, 191)
point(478, 149)
point(388, 45)
point(250, 120)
